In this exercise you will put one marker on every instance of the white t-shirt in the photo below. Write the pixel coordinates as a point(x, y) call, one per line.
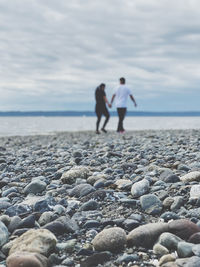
point(121, 95)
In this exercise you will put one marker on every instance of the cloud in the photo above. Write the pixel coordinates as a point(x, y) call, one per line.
point(55, 51)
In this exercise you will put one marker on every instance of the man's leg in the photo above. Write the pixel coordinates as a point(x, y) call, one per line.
point(123, 117)
point(121, 114)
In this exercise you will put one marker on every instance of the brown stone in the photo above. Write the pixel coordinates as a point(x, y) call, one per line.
point(195, 238)
point(183, 228)
point(146, 235)
point(26, 259)
point(111, 239)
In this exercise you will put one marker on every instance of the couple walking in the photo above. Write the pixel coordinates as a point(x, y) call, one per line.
point(121, 94)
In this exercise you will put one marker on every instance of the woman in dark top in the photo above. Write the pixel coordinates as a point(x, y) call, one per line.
point(101, 108)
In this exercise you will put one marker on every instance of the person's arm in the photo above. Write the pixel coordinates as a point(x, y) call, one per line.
point(133, 99)
point(113, 97)
point(106, 101)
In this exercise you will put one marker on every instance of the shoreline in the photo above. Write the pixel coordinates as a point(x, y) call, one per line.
point(92, 132)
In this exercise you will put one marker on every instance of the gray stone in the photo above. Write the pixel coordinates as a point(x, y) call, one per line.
point(14, 223)
point(188, 262)
point(9, 191)
point(151, 204)
point(195, 192)
point(169, 215)
point(126, 258)
point(18, 209)
point(178, 202)
point(68, 246)
point(36, 186)
point(45, 218)
point(185, 250)
point(170, 241)
point(82, 190)
point(196, 250)
point(4, 235)
point(140, 188)
point(165, 174)
point(90, 205)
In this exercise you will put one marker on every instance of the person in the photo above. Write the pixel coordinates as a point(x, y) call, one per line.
point(101, 109)
point(121, 94)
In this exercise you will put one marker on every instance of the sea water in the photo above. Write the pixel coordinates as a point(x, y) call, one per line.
point(10, 126)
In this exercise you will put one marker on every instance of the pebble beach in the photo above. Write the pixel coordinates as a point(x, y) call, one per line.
point(83, 200)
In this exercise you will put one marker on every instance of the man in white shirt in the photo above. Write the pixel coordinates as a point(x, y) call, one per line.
point(121, 94)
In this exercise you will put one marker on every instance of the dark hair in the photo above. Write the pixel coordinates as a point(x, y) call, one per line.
point(122, 80)
point(102, 85)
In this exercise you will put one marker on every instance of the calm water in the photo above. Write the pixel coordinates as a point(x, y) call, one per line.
point(48, 125)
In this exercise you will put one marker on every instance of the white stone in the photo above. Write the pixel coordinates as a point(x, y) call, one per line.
point(191, 176)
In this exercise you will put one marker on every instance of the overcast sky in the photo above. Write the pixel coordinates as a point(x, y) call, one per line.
point(55, 52)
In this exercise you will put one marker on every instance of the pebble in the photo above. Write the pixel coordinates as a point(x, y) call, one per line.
point(112, 239)
point(26, 259)
point(140, 188)
point(79, 185)
point(151, 204)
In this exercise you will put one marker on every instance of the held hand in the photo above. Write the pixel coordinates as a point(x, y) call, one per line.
point(110, 106)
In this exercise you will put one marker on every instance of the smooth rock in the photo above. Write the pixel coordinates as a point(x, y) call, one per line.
point(69, 177)
point(112, 239)
point(178, 202)
point(82, 190)
point(68, 246)
point(169, 215)
point(171, 179)
point(196, 250)
point(168, 240)
point(55, 227)
point(28, 222)
point(96, 259)
point(4, 235)
point(140, 188)
point(36, 186)
point(160, 250)
point(167, 259)
point(26, 259)
point(183, 228)
point(146, 235)
point(18, 209)
point(123, 183)
point(151, 204)
point(90, 205)
point(188, 262)
point(185, 250)
point(126, 258)
point(40, 241)
point(191, 176)
point(195, 238)
point(195, 192)
point(45, 218)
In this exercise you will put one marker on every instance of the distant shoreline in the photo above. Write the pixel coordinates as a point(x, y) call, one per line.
point(92, 114)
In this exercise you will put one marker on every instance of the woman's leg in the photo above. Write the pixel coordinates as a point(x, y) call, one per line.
point(107, 115)
point(99, 114)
